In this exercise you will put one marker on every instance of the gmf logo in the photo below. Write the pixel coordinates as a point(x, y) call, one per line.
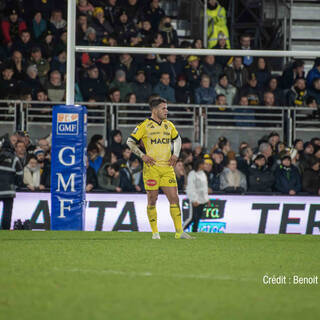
point(67, 124)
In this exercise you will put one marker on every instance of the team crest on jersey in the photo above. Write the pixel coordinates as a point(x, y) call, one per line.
point(166, 126)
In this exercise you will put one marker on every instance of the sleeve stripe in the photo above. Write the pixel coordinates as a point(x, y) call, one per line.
point(175, 137)
point(137, 141)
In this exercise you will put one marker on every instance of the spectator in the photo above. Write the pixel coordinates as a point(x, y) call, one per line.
point(85, 7)
point(24, 44)
point(48, 44)
point(193, 72)
point(314, 72)
point(57, 23)
point(169, 34)
point(231, 179)
point(197, 44)
point(287, 176)
point(237, 74)
point(222, 44)
point(18, 65)
point(198, 151)
point(45, 7)
point(207, 168)
point(314, 90)
point(187, 159)
point(260, 177)
point(262, 72)
point(109, 177)
point(311, 177)
point(59, 62)
point(153, 13)
point(44, 145)
point(114, 95)
point(291, 73)
point(296, 96)
point(61, 42)
point(221, 101)
point(95, 160)
point(12, 27)
point(268, 99)
point(243, 102)
point(93, 84)
point(225, 88)
point(163, 88)
point(32, 81)
point(105, 65)
point(141, 88)
point(157, 42)
point(102, 26)
point(205, 94)
point(266, 150)
point(152, 69)
point(251, 91)
point(132, 8)
point(217, 22)
point(273, 86)
point(41, 63)
point(182, 90)
point(146, 32)
point(217, 157)
point(39, 25)
point(81, 27)
point(116, 143)
point(31, 173)
point(8, 85)
point(212, 68)
point(245, 44)
point(128, 65)
point(111, 11)
point(124, 28)
point(173, 67)
point(121, 83)
point(244, 160)
point(98, 141)
point(181, 176)
point(55, 86)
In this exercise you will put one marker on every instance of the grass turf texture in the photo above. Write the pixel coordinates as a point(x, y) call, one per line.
point(109, 275)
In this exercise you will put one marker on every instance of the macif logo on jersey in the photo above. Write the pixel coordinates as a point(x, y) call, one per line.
point(68, 124)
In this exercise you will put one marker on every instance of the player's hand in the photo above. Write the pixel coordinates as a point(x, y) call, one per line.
point(149, 161)
point(173, 160)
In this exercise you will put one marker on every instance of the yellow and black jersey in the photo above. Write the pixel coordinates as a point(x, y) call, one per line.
point(157, 138)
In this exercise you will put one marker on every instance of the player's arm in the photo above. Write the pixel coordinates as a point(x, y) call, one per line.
point(176, 151)
point(132, 144)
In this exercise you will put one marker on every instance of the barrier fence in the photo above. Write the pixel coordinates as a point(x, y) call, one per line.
point(200, 123)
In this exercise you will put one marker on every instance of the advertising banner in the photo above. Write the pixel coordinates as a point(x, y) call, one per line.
point(227, 214)
point(68, 168)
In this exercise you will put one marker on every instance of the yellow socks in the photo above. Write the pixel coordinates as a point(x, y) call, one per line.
point(152, 215)
point(176, 217)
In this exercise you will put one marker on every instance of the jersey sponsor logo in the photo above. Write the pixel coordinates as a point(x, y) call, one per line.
point(151, 182)
point(166, 133)
point(160, 141)
point(154, 133)
point(68, 124)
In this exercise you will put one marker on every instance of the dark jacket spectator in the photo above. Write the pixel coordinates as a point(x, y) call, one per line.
point(237, 73)
point(311, 177)
point(24, 44)
point(314, 90)
point(8, 85)
point(212, 68)
point(293, 71)
point(128, 64)
point(296, 96)
point(169, 34)
point(262, 71)
point(92, 180)
point(116, 143)
point(173, 67)
point(105, 65)
point(163, 88)
point(153, 13)
point(152, 69)
point(182, 91)
point(193, 72)
point(288, 179)
point(101, 24)
point(260, 177)
point(252, 91)
point(274, 87)
point(141, 88)
point(314, 72)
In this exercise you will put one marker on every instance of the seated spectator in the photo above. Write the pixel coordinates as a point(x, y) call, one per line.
point(114, 95)
point(95, 160)
point(8, 84)
point(217, 167)
point(120, 82)
point(262, 70)
point(205, 94)
point(81, 27)
point(98, 140)
point(24, 44)
point(109, 177)
point(181, 176)
point(244, 160)
point(152, 69)
point(141, 88)
point(225, 88)
point(291, 73)
point(11, 27)
point(245, 44)
point(101, 24)
point(207, 168)
point(252, 91)
point(32, 81)
point(55, 86)
point(173, 67)
point(221, 101)
point(44, 145)
point(48, 44)
point(193, 72)
point(287, 176)
point(41, 63)
point(305, 155)
point(153, 13)
point(198, 151)
point(106, 67)
point(116, 143)
point(187, 159)
point(92, 180)
point(146, 33)
point(231, 179)
point(128, 65)
point(124, 28)
point(45, 179)
point(314, 90)
point(163, 88)
point(274, 140)
point(237, 73)
point(18, 65)
point(39, 25)
point(212, 68)
point(197, 43)
point(57, 23)
point(268, 99)
point(61, 42)
point(311, 177)
point(137, 178)
point(260, 177)
point(266, 150)
point(273, 86)
point(243, 102)
point(31, 173)
point(169, 34)
point(182, 91)
point(222, 44)
point(157, 42)
point(314, 72)
point(296, 96)
point(59, 62)
point(132, 8)
point(85, 7)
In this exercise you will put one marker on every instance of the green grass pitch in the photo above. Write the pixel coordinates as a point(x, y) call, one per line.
point(109, 275)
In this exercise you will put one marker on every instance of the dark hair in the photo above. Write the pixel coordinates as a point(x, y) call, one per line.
point(185, 140)
point(222, 142)
point(197, 164)
point(312, 160)
point(31, 156)
point(92, 147)
point(95, 138)
point(243, 151)
point(115, 166)
point(152, 97)
point(297, 63)
point(113, 90)
point(231, 159)
point(156, 102)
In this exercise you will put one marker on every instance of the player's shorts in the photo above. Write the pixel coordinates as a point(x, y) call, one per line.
point(155, 177)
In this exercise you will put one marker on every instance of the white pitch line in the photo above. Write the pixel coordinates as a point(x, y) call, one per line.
point(150, 274)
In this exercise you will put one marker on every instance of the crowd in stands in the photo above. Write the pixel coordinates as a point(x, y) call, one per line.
point(33, 58)
point(270, 166)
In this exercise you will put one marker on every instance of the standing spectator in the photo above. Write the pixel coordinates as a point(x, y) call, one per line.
point(116, 143)
point(55, 86)
point(163, 88)
point(296, 96)
point(245, 44)
point(217, 22)
point(231, 179)
point(212, 68)
point(291, 73)
point(252, 91)
point(141, 88)
point(237, 74)
point(121, 83)
point(311, 177)
point(244, 160)
point(225, 88)
point(31, 173)
point(182, 91)
point(12, 27)
point(169, 34)
point(205, 94)
point(39, 25)
point(11, 173)
point(314, 72)
point(260, 177)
